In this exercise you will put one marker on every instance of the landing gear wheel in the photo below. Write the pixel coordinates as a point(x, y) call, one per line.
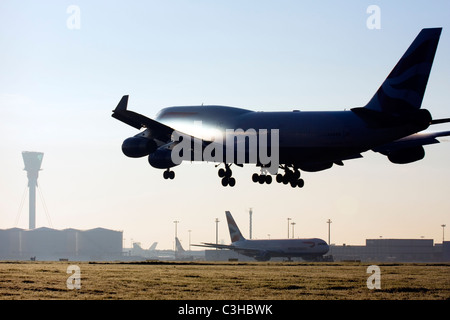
point(261, 179)
point(168, 174)
point(279, 178)
point(224, 182)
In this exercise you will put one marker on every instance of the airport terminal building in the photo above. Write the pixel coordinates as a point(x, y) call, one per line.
point(394, 250)
point(51, 244)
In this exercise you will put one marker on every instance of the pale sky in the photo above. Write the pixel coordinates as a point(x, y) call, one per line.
point(58, 86)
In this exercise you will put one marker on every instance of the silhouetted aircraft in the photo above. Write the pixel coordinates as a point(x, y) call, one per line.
point(293, 141)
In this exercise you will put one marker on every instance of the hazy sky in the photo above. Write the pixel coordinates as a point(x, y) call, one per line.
point(61, 77)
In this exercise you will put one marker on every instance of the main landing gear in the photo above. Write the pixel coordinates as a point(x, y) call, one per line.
point(290, 176)
point(225, 174)
point(262, 178)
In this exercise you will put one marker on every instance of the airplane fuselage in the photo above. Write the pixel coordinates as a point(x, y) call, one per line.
point(305, 137)
point(269, 248)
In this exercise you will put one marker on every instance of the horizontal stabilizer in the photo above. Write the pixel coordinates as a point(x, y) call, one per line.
point(439, 121)
point(414, 140)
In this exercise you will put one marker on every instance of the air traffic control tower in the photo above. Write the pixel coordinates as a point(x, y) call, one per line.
point(32, 161)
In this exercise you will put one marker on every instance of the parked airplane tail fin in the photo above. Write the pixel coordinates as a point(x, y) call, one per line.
point(179, 247)
point(404, 88)
point(235, 233)
point(153, 246)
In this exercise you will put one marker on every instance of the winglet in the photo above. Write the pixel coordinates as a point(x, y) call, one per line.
point(122, 105)
point(129, 117)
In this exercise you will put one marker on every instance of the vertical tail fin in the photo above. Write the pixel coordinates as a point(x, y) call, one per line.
point(404, 88)
point(179, 246)
point(153, 246)
point(235, 233)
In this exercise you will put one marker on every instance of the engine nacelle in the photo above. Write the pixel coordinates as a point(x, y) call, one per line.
point(136, 147)
point(407, 155)
point(263, 256)
point(161, 159)
point(316, 167)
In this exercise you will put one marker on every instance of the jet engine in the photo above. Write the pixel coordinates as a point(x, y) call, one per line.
point(161, 159)
point(136, 147)
point(407, 155)
point(263, 256)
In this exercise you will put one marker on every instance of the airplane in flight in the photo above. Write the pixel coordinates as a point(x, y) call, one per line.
point(265, 249)
point(391, 123)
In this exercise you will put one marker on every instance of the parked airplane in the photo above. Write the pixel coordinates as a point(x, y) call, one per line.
point(390, 123)
point(263, 250)
point(180, 253)
point(153, 246)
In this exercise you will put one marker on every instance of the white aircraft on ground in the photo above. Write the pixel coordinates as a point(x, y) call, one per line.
point(265, 249)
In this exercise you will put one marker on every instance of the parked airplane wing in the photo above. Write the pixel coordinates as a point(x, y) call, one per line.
point(245, 251)
point(213, 245)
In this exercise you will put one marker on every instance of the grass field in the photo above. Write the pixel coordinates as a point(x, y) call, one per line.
point(223, 281)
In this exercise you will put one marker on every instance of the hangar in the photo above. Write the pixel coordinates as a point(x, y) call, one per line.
point(52, 244)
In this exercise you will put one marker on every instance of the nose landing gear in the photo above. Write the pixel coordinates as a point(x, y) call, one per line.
point(169, 174)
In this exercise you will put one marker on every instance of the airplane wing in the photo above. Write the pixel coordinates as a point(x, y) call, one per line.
point(245, 251)
point(213, 245)
point(157, 130)
point(414, 140)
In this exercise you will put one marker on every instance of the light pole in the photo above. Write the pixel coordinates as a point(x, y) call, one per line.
point(250, 214)
point(293, 224)
point(443, 226)
point(288, 219)
point(217, 231)
point(329, 224)
point(189, 239)
point(176, 234)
